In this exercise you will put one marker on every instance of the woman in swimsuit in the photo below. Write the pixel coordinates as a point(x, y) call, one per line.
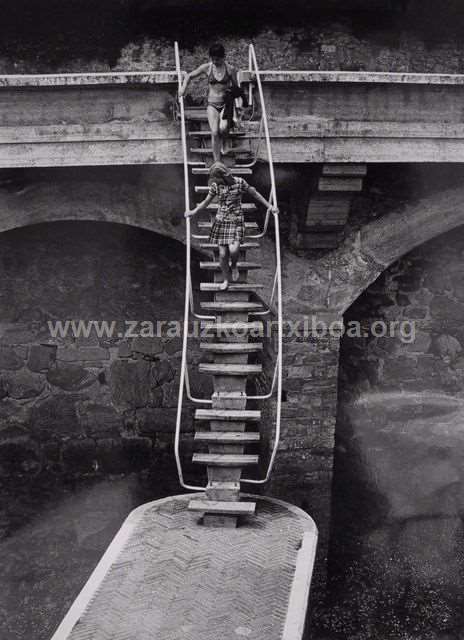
point(221, 77)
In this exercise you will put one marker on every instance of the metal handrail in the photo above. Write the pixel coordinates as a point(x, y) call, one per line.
point(188, 302)
point(254, 63)
point(183, 368)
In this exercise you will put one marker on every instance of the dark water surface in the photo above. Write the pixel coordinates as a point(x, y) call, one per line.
point(53, 535)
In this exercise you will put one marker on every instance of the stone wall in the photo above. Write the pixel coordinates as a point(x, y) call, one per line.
point(387, 35)
point(397, 543)
point(87, 404)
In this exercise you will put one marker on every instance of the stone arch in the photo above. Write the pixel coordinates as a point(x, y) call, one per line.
point(144, 197)
point(363, 257)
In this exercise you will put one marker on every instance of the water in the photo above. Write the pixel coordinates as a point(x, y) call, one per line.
point(54, 534)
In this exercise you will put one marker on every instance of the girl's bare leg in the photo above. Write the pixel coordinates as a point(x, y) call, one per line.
point(224, 263)
point(214, 123)
point(234, 251)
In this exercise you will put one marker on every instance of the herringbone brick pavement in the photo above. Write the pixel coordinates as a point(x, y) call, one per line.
point(177, 580)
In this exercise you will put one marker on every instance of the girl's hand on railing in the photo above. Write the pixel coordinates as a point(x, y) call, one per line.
point(190, 213)
point(275, 210)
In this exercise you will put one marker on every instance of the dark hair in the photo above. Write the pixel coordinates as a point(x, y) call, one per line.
point(217, 51)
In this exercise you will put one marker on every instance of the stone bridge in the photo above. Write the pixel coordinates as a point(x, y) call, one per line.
point(326, 129)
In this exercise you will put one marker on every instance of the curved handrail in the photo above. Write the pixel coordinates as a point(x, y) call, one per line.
point(254, 64)
point(183, 369)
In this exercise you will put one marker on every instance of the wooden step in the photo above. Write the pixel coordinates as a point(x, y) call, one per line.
point(226, 369)
point(199, 236)
point(249, 226)
point(244, 246)
point(233, 286)
point(228, 348)
point(223, 508)
point(206, 132)
point(231, 306)
point(207, 151)
point(243, 415)
point(236, 171)
point(246, 206)
point(227, 437)
point(238, 327)
point(242, 266)
point(225, 459)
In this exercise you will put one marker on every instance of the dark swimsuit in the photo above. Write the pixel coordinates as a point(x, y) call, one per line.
point(225, 80)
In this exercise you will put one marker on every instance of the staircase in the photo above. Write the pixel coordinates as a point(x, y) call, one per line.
point(227, 431)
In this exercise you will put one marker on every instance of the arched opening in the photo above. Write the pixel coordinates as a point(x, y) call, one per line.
point(86, 421)
point(397, 541)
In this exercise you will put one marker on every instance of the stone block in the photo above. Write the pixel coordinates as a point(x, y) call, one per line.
point(148, 346)
point(14, 336)
point(130, 383)
point(41, 357)
point(162, 372)
point(70, 377)
point(82, 354)
point(9, 359)
point(163, 420)
point(100, 420)
point(125, 349)
point(23, 385)
point(174, 345)
point(55, 416)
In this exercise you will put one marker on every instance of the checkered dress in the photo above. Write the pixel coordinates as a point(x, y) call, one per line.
point(229, 225)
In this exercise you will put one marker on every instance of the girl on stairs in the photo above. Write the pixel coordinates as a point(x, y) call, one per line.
point(222, 86)
point(228, 228)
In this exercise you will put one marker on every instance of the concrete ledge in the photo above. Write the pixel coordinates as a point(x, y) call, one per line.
point(358, 76)
point(87, 79)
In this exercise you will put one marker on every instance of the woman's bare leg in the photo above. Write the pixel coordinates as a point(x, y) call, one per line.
point(223, 133)
point(224, 263)
point(234, 251)
point(214, 124)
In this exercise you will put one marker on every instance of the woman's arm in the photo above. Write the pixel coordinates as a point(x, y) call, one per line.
point(200, 206)
point(259, 198)
point(202, 69)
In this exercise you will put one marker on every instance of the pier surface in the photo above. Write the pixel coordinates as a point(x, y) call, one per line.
point(166, 576)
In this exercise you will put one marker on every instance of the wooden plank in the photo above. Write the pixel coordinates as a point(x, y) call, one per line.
point(233, 286)
point(242, 266)
point(225, 460)
point(231, 347)
point(230, 369)
point(227, 437)
point(231, 306)
point(226, 508)
point(227, 414)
